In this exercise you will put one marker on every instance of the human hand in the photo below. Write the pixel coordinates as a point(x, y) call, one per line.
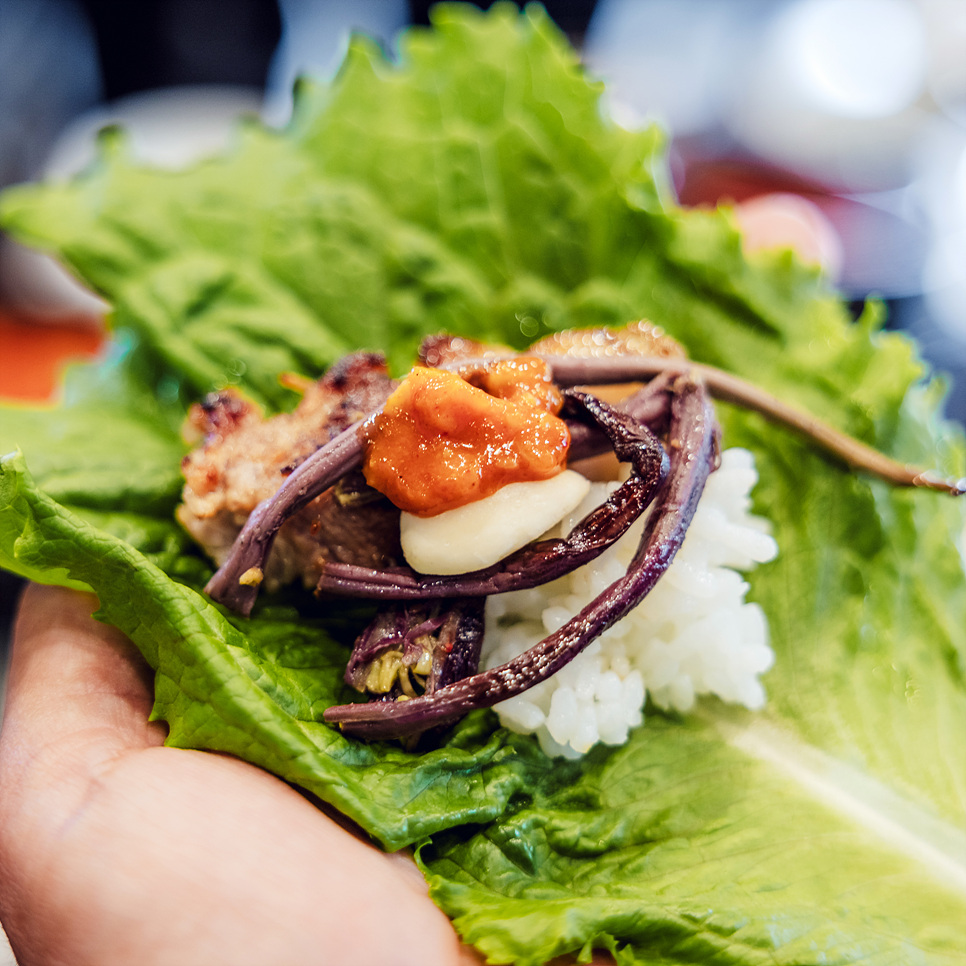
point(117, 850)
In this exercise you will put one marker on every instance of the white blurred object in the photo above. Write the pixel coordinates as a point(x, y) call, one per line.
point(168, 128)
point(40, 288)
point(945, 293)
point(943, 179)
point(854, 58)
point(833, 92)
point(315, 37)
point(945, 22)
point(664, 60)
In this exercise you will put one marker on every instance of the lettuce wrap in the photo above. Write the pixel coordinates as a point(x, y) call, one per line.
point(477, 187)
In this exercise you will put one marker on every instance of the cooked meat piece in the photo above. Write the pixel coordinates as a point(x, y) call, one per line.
point(641, 338)
point(245, 457)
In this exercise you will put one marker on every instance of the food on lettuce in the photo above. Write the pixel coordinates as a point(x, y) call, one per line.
point(449, 437)
point(478, 188)
point(243, 458)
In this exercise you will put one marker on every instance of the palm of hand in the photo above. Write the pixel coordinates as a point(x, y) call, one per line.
point(117, 850)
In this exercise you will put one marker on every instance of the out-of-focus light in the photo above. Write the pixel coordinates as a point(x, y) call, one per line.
point(945, 271)
point(663, 60)
point(781, 220)
point(945, 291)
point(945, 22)
point(959, 194)
point(832, 92)
point(854, 58)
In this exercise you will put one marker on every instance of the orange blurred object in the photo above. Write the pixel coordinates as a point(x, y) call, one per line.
point(34, 354)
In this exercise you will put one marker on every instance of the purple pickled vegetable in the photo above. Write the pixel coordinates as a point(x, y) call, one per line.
point(417, 645)
point(649, 406)
point(574, 371)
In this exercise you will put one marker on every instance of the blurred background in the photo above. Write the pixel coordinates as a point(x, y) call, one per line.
point(847, 116)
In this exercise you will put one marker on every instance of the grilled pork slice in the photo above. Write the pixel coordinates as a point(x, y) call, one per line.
point(451, 350)
point(641, 338)
point(244, 458)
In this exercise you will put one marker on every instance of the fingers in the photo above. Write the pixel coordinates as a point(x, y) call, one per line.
point(78, 695)
point(178, 856)
point(114, 850)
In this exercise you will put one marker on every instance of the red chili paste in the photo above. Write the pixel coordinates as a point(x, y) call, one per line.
point(445, 439)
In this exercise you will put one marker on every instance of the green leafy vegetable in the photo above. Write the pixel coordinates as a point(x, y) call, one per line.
point(476, 188)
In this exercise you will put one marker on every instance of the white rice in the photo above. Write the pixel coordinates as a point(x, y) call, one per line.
point(694, 634)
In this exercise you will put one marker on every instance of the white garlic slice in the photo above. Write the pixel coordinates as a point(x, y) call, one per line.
point(483, 532)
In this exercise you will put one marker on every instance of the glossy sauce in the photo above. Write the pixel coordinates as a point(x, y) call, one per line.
point(445, 439)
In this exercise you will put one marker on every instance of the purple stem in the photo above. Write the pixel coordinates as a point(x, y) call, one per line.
point(572, 371)
point(694, 431)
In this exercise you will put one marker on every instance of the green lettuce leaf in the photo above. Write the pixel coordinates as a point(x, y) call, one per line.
point(477, 188)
